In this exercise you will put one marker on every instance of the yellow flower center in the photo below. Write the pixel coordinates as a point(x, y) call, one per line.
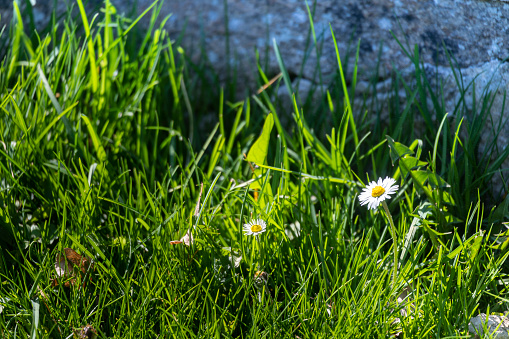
point(256, 228)
point(377, 191)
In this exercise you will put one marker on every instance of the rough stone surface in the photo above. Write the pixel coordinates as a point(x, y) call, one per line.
point(497, 326)
point(473, 31)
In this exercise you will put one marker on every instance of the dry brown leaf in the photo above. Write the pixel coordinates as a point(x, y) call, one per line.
point(271, 81)
point(66, 263)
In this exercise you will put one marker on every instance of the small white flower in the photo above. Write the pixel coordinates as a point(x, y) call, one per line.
point(376, 192)
point(255, 227)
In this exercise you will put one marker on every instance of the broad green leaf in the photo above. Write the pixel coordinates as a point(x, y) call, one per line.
point(447, 198)
point(417, 179)
point(410, 163)
point(258, 152)
point(398, 150)
point(420, 176)
point(436, 181)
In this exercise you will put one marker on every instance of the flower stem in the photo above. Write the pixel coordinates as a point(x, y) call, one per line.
point(259, 248)
point(394, 239)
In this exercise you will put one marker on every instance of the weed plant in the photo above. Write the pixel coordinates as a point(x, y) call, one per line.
point(105, 150)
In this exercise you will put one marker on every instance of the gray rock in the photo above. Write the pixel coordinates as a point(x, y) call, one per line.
point(497, 326)
point(473, 31)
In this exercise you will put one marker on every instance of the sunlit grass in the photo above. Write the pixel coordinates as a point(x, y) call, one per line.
point(104, 150)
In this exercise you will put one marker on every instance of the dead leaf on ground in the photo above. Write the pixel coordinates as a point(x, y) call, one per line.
point(68, 265)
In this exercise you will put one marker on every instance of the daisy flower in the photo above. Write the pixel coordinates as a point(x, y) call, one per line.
point(376, 192)
point(255, 227)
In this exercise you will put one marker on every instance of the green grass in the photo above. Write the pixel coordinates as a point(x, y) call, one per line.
point(105, 149)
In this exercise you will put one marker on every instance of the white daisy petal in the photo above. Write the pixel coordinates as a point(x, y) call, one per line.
point(377, 191)
point(393, 189)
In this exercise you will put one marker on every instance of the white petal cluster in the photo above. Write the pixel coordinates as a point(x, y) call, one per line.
point(255, 227)
point(376, 192)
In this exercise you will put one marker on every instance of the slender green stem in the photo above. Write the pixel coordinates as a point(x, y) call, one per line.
point(259, 256)
point(394, 239)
